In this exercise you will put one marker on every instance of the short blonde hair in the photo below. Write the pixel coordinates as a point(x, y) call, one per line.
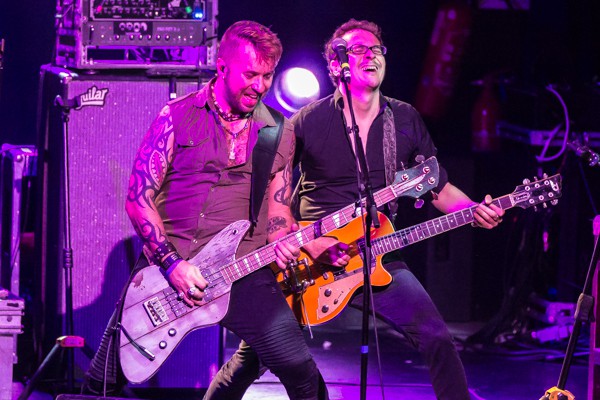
point(266, 43)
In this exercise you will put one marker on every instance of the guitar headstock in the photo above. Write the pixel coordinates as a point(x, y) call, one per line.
point(418, 180)
point(541, 191)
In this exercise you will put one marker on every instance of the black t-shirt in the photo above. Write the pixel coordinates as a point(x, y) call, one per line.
point(328, 180)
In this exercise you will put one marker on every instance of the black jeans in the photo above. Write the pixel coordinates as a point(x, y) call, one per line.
point(263, 319)
point(259, 314)
point(405, 306)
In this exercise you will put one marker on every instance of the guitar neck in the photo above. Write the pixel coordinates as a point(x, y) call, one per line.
point(266, 254)
point(433, 227)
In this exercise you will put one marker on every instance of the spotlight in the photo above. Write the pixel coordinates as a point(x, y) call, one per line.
point(295, 88)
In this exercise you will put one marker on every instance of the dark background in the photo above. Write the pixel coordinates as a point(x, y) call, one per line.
point(554, 42)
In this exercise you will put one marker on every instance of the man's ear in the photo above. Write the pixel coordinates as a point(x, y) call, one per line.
point(221, 67)
point(334, 67)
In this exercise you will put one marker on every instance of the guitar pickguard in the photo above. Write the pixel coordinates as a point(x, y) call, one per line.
point(155, 319)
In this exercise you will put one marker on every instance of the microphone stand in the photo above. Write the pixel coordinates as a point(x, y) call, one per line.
point(583, 313)
point(68, 342)
point(370, 219)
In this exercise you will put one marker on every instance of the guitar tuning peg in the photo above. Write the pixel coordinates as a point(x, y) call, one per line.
point(420, 158)
point(554, 202)
point(526, 181)
point(545, 175)
point(544, 205)
point(535, 208)
point(419, 203)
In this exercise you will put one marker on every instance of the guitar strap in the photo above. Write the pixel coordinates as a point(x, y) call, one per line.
point(263, 156)
point(389, 154)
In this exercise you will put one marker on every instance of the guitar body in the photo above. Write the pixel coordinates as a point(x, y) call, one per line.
point(333, 287)
point(317, 292)
point(154, 318)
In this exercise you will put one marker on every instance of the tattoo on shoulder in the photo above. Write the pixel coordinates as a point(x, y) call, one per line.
point(276, 223)
point(151, 162)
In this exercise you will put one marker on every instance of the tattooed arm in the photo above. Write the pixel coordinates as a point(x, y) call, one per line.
point(281, 221)
point(149, 169)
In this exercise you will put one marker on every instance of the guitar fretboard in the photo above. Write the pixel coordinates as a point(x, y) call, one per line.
point(266, 254)
point(416, 233)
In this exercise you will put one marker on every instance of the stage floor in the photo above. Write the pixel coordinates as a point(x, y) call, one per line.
point(493, 372)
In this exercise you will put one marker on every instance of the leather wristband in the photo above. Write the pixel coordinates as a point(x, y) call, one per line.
point(170, 260)
point(163, 249)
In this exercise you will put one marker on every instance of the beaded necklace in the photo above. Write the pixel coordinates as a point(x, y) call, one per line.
point(227, 116)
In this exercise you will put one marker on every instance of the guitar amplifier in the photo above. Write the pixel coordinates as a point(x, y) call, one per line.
point(11, 312)
point(117, 34)
point(104, 131)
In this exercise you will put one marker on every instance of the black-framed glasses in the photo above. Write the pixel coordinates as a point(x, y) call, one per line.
point(362, 49)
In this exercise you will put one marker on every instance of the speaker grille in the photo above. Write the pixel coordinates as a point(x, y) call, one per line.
point(102, 142)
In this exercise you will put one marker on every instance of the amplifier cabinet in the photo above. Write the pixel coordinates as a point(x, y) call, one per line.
point(104, 129)
point(99, 34)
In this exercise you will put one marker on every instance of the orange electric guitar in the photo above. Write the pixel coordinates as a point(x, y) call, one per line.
point(318, 292)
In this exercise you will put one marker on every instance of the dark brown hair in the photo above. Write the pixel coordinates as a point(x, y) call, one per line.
point(340, 31)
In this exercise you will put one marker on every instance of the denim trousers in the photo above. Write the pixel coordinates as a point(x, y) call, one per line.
point(407, 307)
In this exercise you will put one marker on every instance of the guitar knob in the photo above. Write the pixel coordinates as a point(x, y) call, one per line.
point(327, 292)
point(162, 344)
point(325, 309)
point(172, 332)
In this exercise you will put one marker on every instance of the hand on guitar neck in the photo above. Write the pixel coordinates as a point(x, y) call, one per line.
point(328, 250)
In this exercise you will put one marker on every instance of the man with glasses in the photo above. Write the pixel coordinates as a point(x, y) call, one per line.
point(328, 182)
point(393, 134)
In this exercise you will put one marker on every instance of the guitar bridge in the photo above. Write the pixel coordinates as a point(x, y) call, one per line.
point(156, 311)
point(298, 279)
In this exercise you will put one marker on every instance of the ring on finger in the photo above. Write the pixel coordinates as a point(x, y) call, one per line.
point(180, 295)
point(191, 291)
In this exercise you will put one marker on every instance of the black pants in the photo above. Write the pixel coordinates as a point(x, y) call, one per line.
point(404, 305)
point(258, 314)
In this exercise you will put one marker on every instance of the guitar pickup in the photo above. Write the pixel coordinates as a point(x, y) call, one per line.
point(156, 311)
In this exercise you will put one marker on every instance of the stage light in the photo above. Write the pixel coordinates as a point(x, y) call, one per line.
point(295, 88)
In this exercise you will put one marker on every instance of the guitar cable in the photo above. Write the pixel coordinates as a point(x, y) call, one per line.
point(374, 321)
point(377, 350)
point(306, 314)
point(144, 351)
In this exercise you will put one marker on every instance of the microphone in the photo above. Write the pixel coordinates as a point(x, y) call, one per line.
point(584, 152)
point(339, 47)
